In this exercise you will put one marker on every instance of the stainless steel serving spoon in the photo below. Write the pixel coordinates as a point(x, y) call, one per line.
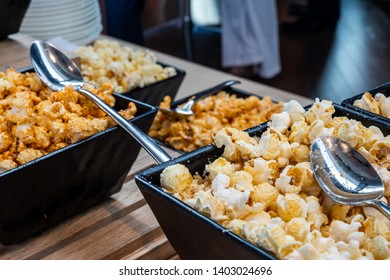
point(57, 71)
point(185, 109)
point(345, 175)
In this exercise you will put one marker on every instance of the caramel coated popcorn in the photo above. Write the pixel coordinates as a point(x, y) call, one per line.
point(35, 120)
point(210, 115)
point(107, 62)
point(264, 190)
point(379, 104)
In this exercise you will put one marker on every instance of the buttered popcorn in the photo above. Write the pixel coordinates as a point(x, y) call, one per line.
point(107, 62)
point(379, 104)
point(210, 115)
point(264, 190)
point(35, 120)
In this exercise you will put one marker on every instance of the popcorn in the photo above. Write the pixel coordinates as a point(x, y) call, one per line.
point(220, 166)
point(340, 212)
point(237, 143)
point(263, 189)
point(291, 206)
point(27, 155)
point(296, 179)
point(315, 214)
point(211, 114)
point(241, 180)
point(380, 151)
point(305, 252)
point(384, 173)
point(375, 224)
point(269, 145)
point(380, 247)
point(280, 121)
point(283, 183)
point(367, 102)
point(384, 104)
point(35, 121)
point(7, 164)
point(262, 170)
point(299, 133)
point(206, 203)
point(295, 110)
point(379, 104)
point(340, 231)
point(264, 193)
point(236, 226)
point(5, 141)
point(300, 153)
point(273, 237)
point(298, 228)
point(353, 132)
point(320, 111)
point(318, 130)
point(107, 62)
point(233, 198)
point(176, 178)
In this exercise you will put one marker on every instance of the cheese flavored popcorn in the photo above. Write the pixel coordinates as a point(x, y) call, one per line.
point(34, 120)
point(379, 104)
point(210, 115)
point(107, 62)
point(263, 188)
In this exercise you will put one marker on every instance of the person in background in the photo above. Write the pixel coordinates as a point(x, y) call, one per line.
point(122, 19)
point(250, 37)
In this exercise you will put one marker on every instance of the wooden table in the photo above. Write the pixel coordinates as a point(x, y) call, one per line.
point(122, 227)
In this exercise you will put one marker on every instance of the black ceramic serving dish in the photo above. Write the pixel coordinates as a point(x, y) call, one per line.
point(384, 89)
point(42, 192)
point(154, 93)
point(229, 89)
point(195, 236)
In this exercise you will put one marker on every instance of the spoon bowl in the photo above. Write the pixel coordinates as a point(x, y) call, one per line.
point(57, 71)
point(345, 175)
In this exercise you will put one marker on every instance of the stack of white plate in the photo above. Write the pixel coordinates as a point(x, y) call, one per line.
point(78, 21)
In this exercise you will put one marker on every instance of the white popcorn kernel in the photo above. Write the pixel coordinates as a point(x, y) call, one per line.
point(280, 121)
point(319, 130)
point(233, 198)
point(176, 178)
point(295, 110)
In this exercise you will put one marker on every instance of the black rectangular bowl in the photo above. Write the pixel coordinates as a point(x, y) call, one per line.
point(193, 235)
point(44, 191)
point(229, 89)
point(154, 93)
point(385, 89)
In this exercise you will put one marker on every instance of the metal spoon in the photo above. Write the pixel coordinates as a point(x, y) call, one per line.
point(185, 108)
point(57, 71)
point(345, 175)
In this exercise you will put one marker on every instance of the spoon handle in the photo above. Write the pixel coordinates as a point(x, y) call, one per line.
point(148, 144)
point(381, 206)
point(207, 92)
point(215, 89)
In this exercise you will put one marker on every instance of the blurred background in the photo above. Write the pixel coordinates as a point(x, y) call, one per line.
point(330, 49)
point(338, 50)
